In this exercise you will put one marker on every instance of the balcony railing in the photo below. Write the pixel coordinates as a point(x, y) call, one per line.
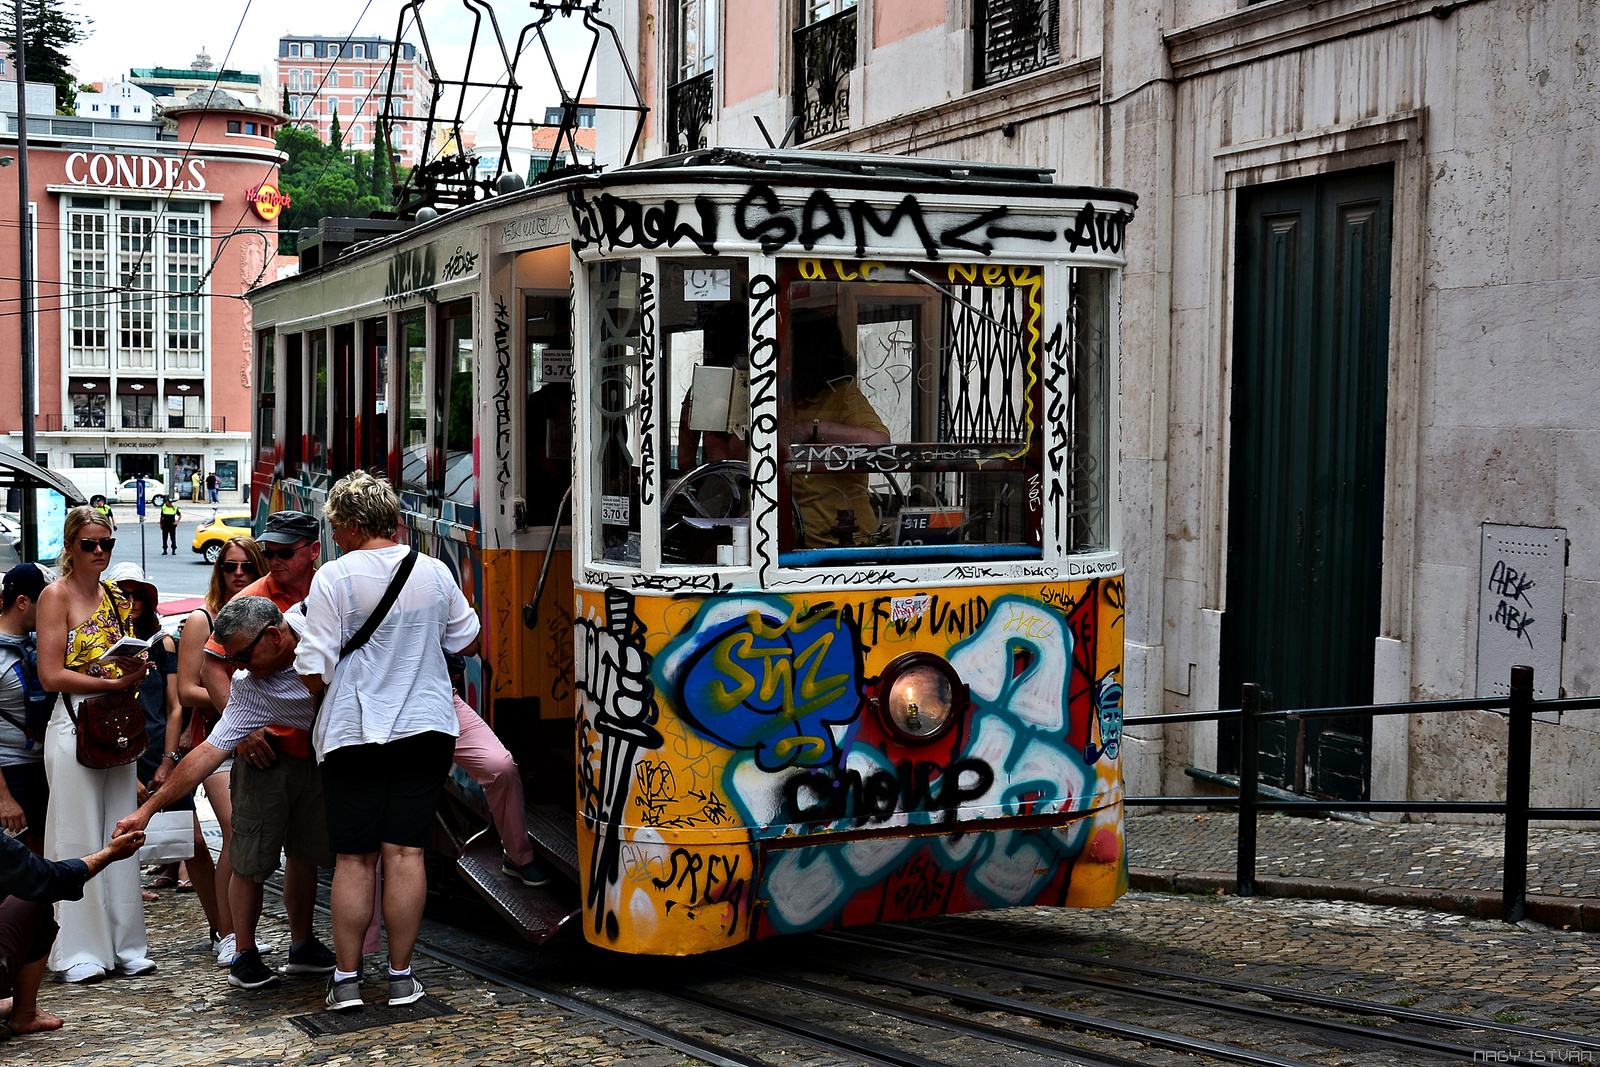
point(825, 54)
point(688, 113)
point(56, 423)
point(1016, 37)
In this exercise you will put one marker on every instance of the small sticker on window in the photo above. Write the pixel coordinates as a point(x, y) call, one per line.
point(708, 284)
point(614, 510)
point(555, 366)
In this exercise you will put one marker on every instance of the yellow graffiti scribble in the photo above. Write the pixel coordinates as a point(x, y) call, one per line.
point(817, 747)
point(1028, 625)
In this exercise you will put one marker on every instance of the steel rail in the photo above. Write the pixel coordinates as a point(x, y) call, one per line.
point(1365, 1033)
point(1319, 1000)
point(911, 1013)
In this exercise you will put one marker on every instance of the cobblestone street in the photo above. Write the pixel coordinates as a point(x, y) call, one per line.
point(1530, 974)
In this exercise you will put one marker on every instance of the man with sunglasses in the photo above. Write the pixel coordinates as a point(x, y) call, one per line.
point(270, 778)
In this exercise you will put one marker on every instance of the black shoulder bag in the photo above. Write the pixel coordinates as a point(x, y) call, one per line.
point(379, 613)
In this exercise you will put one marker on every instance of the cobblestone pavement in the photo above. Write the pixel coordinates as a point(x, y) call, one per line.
point(1428, 855)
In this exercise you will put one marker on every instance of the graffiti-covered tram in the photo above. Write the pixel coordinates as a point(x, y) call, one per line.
point(830, 631)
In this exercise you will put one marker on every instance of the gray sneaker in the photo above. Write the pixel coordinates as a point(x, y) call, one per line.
point(404, 990)
point(343, 996)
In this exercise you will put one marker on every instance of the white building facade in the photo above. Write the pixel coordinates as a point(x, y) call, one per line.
point(1361, 287)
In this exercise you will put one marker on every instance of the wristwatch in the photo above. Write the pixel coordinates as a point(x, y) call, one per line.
point(176, 757)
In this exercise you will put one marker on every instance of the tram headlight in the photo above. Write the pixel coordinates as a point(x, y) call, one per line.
point(920, 697)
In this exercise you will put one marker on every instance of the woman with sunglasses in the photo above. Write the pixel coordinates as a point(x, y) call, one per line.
point(80, 617)
point(240, 564)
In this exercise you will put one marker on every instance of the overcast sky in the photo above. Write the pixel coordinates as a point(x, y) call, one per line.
point(244, 36)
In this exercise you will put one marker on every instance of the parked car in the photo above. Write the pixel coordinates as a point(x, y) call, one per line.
point(128, 491)
point(224, 523)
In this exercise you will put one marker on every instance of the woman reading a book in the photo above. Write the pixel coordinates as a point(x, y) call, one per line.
point(80, 618)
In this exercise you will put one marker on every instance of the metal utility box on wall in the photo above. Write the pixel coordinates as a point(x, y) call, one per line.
point(1521, 599)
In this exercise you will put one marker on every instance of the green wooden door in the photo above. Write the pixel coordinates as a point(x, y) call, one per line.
point(1305, 501)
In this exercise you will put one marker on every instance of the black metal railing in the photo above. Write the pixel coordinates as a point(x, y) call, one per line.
point(688, 113)
point(56, 423)
point(1520, 707)
point(825, 54)
point(1015, 37)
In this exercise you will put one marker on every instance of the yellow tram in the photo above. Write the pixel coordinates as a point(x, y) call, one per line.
point(786, 485)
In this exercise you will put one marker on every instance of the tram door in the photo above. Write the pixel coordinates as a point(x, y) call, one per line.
point(1305, 505)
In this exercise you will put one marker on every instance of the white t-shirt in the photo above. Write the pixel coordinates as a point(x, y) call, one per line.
point(396, 685)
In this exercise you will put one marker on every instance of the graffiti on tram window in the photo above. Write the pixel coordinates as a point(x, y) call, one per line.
point(763, 738)
point(613, 223)
point(647, 385)
point(763, 420)
point(409, 272)
point(502, 398)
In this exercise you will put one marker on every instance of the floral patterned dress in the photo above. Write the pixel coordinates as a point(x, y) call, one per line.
point(89, 640)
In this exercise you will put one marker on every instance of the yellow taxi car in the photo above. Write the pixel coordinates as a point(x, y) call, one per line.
point(224, 523)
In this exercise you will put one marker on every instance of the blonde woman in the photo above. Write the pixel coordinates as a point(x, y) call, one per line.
point(240, 564)
point(80, 617)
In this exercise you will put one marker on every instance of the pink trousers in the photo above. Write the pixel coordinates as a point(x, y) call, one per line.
point(486, 761)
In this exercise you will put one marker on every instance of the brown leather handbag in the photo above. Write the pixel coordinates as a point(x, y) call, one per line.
point(110, 726)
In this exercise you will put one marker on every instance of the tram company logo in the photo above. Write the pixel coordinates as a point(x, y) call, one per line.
point(267, 200)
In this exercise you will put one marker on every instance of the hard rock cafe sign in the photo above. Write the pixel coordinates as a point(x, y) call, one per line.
point(267, 200)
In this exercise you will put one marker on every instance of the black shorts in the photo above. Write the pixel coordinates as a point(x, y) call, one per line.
point(385, 794)
point(31, 790)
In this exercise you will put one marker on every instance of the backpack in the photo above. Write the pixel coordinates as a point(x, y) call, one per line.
point(20, 656)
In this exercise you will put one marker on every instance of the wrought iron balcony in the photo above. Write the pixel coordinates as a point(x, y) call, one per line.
point(1016, 37)
point(825, 54)
point(688, 113)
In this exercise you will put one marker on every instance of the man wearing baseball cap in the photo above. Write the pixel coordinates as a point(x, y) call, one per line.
point(24, 791)
point(274, 775)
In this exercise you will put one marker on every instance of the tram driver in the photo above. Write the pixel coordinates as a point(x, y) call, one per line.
point(834, 509)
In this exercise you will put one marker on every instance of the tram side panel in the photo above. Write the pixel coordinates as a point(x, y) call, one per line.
point(736, 779)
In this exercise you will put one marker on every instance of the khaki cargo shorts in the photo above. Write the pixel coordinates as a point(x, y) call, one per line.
point(277, 809)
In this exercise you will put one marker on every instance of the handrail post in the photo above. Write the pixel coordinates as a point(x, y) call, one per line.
point(1519, 759)
point(1249, 771)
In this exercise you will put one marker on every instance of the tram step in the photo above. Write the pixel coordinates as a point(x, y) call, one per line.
point(555, 834)
point(537, 914)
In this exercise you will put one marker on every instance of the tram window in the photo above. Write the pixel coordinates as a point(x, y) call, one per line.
point(414, 400)
point(375, 403)
point(1089, 488)
point(912, 412)
point(342, 370)
point(703, 386)
point(547, 408)
point(317, 444)
point(294, 420)
point(453, 426)
point(266, 393)
point(614, 357)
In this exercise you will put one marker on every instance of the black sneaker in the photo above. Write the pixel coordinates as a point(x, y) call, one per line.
point(248, 972)
point(314, 958)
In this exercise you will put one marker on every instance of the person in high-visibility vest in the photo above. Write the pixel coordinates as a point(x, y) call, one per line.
point(170, 517)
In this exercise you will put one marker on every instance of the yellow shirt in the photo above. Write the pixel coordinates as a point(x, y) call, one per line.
point(89, 640)
point(820, 497)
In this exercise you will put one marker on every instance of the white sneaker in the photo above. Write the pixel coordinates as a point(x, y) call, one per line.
point(82, 972)
point(136, 967)
point(228, 947)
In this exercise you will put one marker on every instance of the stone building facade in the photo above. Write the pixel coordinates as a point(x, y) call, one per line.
point(1355, 326)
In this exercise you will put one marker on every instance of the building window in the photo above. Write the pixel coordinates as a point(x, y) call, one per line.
point(294, 49)
point(88, 411)
point(185, 310)
point(333, 51)
point(116, 111)
point(358, 135)
point(233, 125)
point(294, 79)
point(359, 53)
point(694, 51)
point(357, 79)
point(333, 79)
point(87, 269)
point(138, 412)
point(94, 107)
point(136, 307)
point(383, 52)
point(1015, 37)
point(825, 54)
point(185, 412)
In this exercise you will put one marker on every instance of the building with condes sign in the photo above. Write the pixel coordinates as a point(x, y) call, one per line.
point(145, 238)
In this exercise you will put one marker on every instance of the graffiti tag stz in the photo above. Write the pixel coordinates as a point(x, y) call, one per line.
point(460, 264)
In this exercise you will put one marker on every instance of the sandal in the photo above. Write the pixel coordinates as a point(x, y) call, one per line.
point(186, 886)
point(163, 881)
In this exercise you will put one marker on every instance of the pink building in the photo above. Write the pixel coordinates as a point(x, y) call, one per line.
point(324, 76)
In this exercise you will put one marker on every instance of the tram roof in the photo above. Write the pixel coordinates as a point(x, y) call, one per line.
point(716, 166)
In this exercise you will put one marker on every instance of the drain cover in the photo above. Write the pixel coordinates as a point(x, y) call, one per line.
point(326, 1023)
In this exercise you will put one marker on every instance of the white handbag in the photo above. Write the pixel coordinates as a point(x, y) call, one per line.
point(168, 838)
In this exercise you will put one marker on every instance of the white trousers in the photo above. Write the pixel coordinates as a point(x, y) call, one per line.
point(106, 927)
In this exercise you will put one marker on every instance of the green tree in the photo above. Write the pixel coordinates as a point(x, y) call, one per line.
point(323, 182)
point(335, 135)
point(51, 30)
point(285, 99)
